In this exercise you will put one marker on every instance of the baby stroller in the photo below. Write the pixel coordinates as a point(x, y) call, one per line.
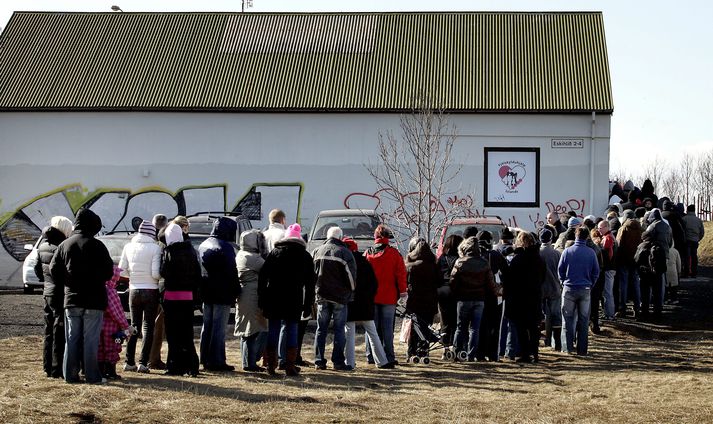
point(428, 339)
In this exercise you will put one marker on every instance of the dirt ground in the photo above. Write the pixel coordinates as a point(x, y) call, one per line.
point(637, 373)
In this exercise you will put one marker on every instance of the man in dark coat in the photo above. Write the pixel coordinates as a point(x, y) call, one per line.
point(82, 265)
point(336, 279)
point(219, 289)
point(361, 310)
point(286, 292)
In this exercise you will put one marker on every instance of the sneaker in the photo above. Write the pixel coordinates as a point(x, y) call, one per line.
point(387, 366)
point(131, 368)
point(143, 369)
point(344, 367)
point(320, 367)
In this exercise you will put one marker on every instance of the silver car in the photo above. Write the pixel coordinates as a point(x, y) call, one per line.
point(358, 224)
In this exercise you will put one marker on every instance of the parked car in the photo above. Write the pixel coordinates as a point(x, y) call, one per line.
point(30, 281)
point(359, 224)
point(115, 243)
point(494, 224)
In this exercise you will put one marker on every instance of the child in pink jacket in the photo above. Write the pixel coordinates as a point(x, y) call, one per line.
point(114, 323)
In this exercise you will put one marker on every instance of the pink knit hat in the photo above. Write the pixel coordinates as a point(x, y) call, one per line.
point(293, 231)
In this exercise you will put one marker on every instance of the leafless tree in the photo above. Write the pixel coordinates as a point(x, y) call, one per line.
point(654, 171)
point(415, 172)
point(671, 184)
point(703, 176)
point(620, 175)
point(687, 171)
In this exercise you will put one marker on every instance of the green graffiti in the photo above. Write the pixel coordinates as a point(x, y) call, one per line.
point(292, 184)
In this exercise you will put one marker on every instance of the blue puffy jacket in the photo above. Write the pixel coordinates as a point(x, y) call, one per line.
point(220, 283)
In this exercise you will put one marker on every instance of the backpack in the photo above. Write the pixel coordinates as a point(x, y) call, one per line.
point(641, 257)
point(657, 260)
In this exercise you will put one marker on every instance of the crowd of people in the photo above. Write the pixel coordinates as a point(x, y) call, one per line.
point(490, 298)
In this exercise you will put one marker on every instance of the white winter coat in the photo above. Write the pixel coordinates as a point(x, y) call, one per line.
point(141, 262)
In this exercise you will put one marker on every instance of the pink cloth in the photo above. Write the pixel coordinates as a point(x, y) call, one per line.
point(178, 295)
point(114, 321)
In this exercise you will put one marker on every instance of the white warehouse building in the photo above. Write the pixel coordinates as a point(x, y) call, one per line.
point(132, 114)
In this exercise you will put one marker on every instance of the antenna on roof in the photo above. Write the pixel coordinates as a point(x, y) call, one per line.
point(246, 5)
point(116, 8)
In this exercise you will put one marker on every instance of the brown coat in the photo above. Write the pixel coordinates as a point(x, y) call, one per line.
point(628, 238)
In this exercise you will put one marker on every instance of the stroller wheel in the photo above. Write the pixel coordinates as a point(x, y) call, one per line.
point(463, 356)
point(415, 359)
point(449, 355)
point(425, 360)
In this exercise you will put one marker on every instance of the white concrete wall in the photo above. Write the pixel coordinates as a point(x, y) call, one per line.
point(324, 152)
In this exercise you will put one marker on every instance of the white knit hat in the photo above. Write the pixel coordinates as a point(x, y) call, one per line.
point(63, 224)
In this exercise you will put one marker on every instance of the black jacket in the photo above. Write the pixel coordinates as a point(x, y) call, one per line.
point(336, 272)
point(82, 264)
point(445, 266)
point(286, 281)
point(522, 285)
point(362, 307)
point(423, 278)
point(678, 226)
point(471, 278)
point(220, 285)
point(180, 268)
point(45, 252)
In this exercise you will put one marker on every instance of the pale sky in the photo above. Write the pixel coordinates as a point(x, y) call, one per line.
point(660, 56)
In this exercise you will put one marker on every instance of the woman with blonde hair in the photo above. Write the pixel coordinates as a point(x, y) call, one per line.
point(53, 354)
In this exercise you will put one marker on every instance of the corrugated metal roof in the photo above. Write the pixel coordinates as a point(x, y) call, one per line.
point(462, 62)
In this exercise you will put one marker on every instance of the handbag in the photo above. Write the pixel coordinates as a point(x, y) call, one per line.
point(405, 334)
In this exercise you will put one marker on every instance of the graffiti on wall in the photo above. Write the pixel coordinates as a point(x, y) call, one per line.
point(118, 207)
point(466, 204)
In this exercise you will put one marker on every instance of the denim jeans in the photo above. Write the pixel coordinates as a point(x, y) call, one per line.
point(371, 339)
point(143, 305)
point(53, 352)
point(279, 331)
point(509, 344)
point(215, 320)
point(384, 317)
point(576, 304)
point(251, 348)
point(553, 318)
point(82, 331)
point(328, 311)
point(629, 279)
point(609, 308)
point(469, 314)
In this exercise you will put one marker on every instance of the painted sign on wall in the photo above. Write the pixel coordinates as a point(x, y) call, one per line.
point(512, 177)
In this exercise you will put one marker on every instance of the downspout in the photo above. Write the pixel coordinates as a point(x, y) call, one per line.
point(591, 163)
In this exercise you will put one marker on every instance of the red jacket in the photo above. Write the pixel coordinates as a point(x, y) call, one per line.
point(390, 273)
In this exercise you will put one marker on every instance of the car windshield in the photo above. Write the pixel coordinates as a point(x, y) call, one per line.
point(458, 229)
point(356, 227)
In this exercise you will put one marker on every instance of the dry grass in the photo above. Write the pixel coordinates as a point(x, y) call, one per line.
point(627, 379)
point(705, 250)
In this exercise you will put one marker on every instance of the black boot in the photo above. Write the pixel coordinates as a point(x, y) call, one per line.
point(557, 333)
